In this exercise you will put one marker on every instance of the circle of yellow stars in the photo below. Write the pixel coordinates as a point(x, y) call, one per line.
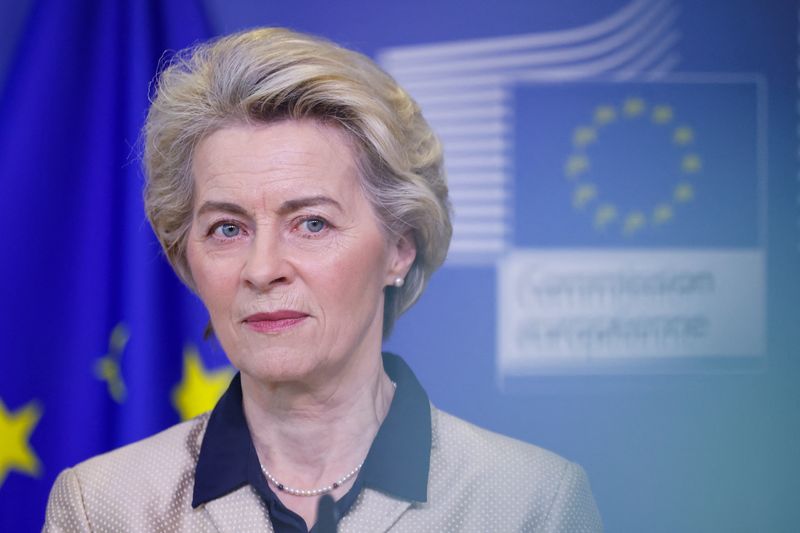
point(585, 194)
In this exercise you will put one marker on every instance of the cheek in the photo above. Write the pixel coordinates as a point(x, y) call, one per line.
point(215, 280)
point(357, 277)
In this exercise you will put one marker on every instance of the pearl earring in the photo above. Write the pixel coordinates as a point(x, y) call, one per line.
point(399, 282)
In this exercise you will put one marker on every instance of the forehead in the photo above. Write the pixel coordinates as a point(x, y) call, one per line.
point(271, 162)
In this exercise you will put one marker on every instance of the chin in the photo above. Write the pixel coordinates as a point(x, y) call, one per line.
point(277, 366)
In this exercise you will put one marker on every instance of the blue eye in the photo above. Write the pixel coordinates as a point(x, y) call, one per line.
point(314, 225)
point(228, 230)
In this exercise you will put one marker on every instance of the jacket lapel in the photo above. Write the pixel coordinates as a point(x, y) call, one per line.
point(241, 510)
point(373, 512)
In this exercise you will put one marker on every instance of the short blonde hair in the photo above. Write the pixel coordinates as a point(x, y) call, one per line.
point(272, 74)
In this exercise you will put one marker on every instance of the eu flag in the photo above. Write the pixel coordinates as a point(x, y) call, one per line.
point(676, 162)
point(99, 340)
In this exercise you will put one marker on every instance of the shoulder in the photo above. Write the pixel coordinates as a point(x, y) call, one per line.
point(520, 481)
point(157, 473)
point(154, 459)
point(469, 446)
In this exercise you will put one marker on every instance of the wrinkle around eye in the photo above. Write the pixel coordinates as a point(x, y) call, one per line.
point(299, 227)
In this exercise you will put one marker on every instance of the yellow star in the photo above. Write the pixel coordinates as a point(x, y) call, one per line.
point(683, 135)
point(662, 213)
point(583, 135)
point(199, 389)
point(108, 369)
point(576, 164)
point(604, 215)
point(691, 163)
point(583, 195)
point(15, 450)
point(683, 192)
point(662, 114)
point(634, 222)
point(633, 107)
point(604, 114)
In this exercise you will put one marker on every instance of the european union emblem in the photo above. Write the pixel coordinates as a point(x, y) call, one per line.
point(670, 163)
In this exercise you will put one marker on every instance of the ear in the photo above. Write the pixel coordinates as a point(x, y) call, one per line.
point(403, 253)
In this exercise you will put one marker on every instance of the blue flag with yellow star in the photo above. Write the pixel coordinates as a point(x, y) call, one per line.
point(672, 162)
point(100, 343)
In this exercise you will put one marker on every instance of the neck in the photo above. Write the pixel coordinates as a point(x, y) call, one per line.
point(308, 436)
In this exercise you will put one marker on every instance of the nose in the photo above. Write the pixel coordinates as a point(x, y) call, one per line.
point(267, 264)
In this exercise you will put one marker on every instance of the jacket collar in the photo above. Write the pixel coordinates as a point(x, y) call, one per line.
point(397, 463)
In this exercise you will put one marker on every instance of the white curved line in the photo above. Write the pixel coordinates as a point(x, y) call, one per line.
point(642, 63)
point(489, 96)
point(455, 179)
point(657, 18)
point(475, 136)
point(495, 207)
point(588, 71)
point(456, 83)
point(476, 246)
point(480, 211)
point(495, 161)
point(497, 229)
point(663, 68)
point(442, 115)
point(458, 196)
point(585, 70)
point(493, 144)
point(504, 44)
point(460, 131)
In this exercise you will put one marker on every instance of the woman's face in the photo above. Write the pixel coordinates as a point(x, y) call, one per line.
point(287, 253)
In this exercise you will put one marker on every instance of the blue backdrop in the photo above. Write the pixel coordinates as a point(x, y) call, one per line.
point(595, 128)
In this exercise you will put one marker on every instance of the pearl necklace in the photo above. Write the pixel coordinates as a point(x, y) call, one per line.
point(314, 492)
point(311, 492)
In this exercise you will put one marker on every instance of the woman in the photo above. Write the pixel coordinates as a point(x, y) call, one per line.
point(299, 192)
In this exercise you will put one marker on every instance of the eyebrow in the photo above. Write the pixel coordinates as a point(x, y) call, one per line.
point(226, 207)
point(290, 206)
point(286, 207)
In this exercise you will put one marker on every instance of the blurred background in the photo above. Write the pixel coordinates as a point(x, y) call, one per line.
point(622, 286)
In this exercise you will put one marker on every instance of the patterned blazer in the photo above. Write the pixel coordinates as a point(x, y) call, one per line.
point(478, 481)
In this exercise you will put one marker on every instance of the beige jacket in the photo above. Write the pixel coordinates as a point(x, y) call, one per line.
point(479, 481)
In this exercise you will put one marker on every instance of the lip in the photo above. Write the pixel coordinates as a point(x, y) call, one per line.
point(275, 321)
